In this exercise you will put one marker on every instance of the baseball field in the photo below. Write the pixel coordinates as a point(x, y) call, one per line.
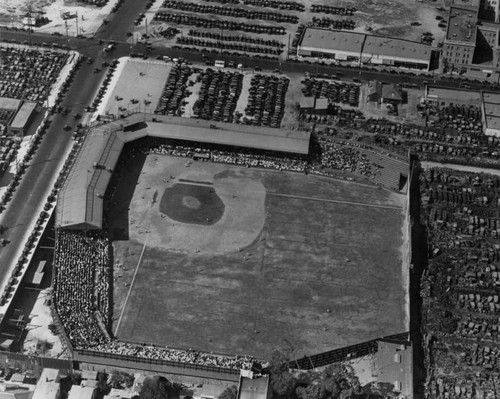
point(243, 261)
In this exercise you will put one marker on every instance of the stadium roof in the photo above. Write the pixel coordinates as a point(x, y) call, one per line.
point(9, 103)
point(333, 40)
point(23, 115)
point(80, 201)
point(462, 25)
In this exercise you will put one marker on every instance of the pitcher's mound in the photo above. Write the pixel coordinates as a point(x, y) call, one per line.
point(194, 204)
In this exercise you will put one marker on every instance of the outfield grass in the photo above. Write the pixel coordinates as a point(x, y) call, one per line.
point(323, 271)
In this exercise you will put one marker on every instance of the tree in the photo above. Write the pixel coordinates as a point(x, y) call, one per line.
point(229, 393)
point(282, 382)
point(155, 388)
point(312, 391)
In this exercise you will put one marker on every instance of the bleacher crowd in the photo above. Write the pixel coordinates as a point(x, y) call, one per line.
point(83, 262)
point(81, 284)
point(176, 355)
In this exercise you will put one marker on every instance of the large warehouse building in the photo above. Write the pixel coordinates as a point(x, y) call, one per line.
point(363, 48)
point(81, 200)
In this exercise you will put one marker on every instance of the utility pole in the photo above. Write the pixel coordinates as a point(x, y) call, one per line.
point(77, 31)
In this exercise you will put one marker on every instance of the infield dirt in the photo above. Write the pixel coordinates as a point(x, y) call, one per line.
point(296, 262)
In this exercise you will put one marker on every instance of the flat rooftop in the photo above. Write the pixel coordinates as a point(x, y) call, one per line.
point(255, 388)
point(23, 115)
point(10, 104)
point(491, 97)
point(453, 95)
point(462, 26)
point(333, 40)
point(491, 109)
point(392, 47)
point(472, 4)
point(358, 43)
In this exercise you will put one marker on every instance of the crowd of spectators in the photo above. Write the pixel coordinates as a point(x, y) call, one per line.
point(81, 284)
point(243, 157)
point(176, 355)
point(82, 277)
point(29, 74)
point(459, 287)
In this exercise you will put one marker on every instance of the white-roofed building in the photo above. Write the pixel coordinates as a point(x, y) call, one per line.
point(23, 118)
point(15, 391)
point(47, 386)
point(367, 49)
point(81, 392)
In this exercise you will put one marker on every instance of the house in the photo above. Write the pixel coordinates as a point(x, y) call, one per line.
point(392, 94)
point(374, 92)
point(384, 93)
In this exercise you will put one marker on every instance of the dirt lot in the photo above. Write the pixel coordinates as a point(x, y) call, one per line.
point(291, 263)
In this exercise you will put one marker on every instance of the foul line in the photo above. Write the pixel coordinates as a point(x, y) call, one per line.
point(334, 201)
point(132, 283)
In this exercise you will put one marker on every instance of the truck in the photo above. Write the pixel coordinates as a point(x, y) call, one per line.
point(219, 64)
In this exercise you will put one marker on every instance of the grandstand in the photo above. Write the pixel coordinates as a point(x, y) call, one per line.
point(392, 172)
point(280, 198)
point(99, 153)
